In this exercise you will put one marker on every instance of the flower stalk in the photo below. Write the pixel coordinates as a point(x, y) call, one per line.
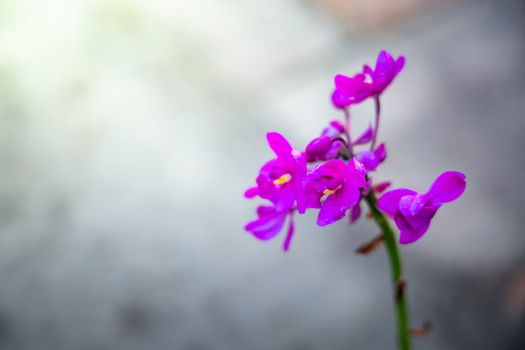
point(348, 131)
point(398, 281)
point(377, 104)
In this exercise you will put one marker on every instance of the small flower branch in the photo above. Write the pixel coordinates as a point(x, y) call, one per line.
point(403, 328)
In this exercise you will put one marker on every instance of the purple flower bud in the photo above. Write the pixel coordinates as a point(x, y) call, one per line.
point(318, 147)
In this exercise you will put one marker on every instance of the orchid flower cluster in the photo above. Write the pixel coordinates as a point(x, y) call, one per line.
point(334, 173)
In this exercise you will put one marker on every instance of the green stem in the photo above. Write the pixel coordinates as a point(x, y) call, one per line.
point(403, 329)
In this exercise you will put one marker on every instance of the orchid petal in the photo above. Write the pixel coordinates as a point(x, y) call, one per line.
point(389, 202)
point(365, 137)
point(318, 147)
point(300, 196)
point(279, 145)
point(384, 60)
point(447, 187)
point(411, 205)
point(419, 201)
point(265, 210)
point(380, 153)
point(332, 210)
point(334, 150)
point(412, 227)
point(382, 186)
point(409, 234)
point(367, 70)
point(335, 206)
point(340, 100)
point(355, 212)
point(405, 203)
point(251, 192)
point(284, 197)
point(268, 226)
point(289, 234)
point(328, 175)
point(343, 82)
point(400, 63)
point(337, 125)
point(356, 174)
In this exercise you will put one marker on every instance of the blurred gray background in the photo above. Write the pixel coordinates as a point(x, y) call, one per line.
point(129, 130)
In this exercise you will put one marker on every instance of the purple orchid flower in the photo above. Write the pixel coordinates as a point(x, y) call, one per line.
point(412, 212)
point(371, 160)
point(386, 69)
point(280, 179)
point(371, 82)
point(269, 223)
point(328, 145)
point(334, 187)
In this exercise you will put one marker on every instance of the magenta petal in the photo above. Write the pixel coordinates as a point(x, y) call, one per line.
point(265, 210)
point(331, 211)
point(340, 100)
point(389, 202)
point(356, 173)
point(278, 144)
point(337, 125)
point(380, 153)
point(300, 196)
point(411, 205)
point(318, 147)
point(368, 159)
point(350, 90)
point(400, 63)
point(289, 234)
point(405, 204)
point(384, 60)
point(313, 199)
point(420, 200)
point(365, 137)
point(335, 206)
point(355, 212)
point(408, 234)
point(368, 70)
point(251, 192)
point(447, 187)
point(267, 226)
point(333, 152)
point(343, 82)
point(412, 227)
point(284, 197)
point(335, 129)
point(423, 217)
point(382, 186)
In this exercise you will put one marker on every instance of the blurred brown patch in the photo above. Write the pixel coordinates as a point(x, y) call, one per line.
point(370, 246)
point(372, 15)
point(422, 330)
point(514, 297)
